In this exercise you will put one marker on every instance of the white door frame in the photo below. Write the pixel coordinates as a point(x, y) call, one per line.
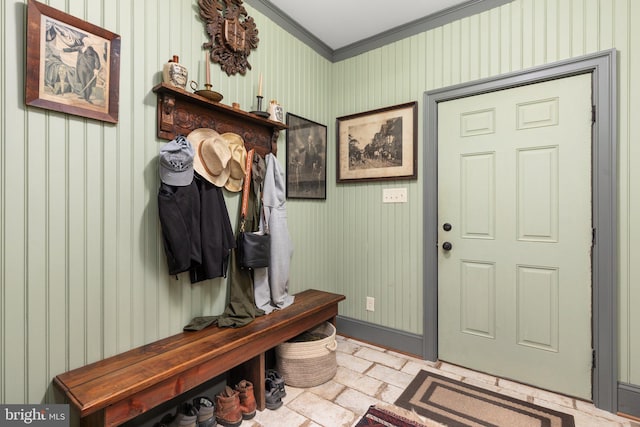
point(602, 66)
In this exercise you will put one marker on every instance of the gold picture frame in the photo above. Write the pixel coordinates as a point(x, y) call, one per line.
point(378, 145)
point(72, 66)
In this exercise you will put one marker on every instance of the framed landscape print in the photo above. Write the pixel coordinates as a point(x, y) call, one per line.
point(306, 158)
point(72, 66)
point(378, 145)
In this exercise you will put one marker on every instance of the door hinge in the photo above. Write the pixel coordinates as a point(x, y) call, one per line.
point(593, 237)
point(593, 358)
point(593, 114)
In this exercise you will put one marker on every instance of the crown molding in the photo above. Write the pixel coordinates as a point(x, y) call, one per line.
point(418, 26)
point(288, 24)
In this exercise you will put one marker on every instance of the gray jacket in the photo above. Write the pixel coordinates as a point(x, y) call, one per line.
point(272, 283)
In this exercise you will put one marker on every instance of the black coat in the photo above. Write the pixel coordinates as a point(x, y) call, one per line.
point(196, 230)
point(216, 234)
point(179, 212)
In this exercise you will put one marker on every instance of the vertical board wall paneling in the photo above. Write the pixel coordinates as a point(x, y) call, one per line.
point(135, 137)
point(15, 366)
point(373, 236)
point(151, 54)
point(56, 295)
point(302, 90)
point(37, 237)
point(83, 269)
point(616, 31)
point(520, 35)
point(110, 166)
point(630, 158)
point(3, 198)
point(123, 306)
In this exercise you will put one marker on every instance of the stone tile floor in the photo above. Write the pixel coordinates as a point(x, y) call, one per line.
point(369, 375)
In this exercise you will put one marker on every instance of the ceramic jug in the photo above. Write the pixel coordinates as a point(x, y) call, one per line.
point(174, 73)
point(275, 111)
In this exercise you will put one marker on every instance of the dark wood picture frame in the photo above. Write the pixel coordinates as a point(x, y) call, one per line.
point(72, 66)
point(306, 158)
point(378, 145)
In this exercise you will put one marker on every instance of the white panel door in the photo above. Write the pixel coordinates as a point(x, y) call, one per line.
point(514, 267)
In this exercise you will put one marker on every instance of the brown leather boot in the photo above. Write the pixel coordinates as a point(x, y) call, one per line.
point(228, 411)
point(247, 399)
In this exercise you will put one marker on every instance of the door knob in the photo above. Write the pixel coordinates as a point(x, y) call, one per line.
point(446, 226)
point(447, 246)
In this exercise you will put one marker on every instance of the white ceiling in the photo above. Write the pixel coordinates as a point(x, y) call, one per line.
point(339, 23)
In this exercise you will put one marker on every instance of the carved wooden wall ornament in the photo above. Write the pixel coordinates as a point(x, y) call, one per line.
point(232, 33)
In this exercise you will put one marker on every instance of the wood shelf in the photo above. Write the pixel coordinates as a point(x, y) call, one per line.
point(179, 112)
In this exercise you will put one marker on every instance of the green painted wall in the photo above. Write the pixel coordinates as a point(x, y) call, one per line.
point(379, 246)
point(81, 261)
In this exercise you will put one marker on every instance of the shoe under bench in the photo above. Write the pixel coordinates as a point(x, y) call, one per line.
point(112, 391)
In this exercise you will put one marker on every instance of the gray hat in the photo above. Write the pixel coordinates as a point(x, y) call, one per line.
point(176, 162)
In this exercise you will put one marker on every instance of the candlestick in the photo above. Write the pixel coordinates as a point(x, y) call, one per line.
point(208, 71)
point(260, 86)
point(259, 111)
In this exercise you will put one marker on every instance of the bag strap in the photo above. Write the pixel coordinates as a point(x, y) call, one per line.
point(246, 187)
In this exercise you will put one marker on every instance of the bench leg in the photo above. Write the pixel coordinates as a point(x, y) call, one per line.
point(253, 370)
point(97, 419)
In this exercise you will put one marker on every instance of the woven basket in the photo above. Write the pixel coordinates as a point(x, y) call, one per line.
point(309, 363)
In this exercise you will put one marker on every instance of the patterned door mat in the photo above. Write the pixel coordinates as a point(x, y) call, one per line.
point(453, 403)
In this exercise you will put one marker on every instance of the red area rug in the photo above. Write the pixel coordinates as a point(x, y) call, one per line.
point(381, 417)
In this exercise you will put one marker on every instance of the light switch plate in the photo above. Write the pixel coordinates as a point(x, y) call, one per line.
point(394, 195)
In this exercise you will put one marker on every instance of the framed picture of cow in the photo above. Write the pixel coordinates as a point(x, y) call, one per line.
point(72, 66)
point(378, 145)
point(306, 158)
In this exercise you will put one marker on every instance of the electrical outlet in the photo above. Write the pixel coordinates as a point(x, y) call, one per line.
point(371, 303)
point(394, 195)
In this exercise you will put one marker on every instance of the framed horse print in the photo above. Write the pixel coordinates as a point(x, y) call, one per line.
point(378, 145)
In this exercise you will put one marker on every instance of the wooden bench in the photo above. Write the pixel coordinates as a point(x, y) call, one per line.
point(119, 388)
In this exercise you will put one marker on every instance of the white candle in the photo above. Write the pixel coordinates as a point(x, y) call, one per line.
point(260, 85)
point(208, 71)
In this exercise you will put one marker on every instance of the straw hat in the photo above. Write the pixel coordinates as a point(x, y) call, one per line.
point(212, 155)
point(237, 161)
